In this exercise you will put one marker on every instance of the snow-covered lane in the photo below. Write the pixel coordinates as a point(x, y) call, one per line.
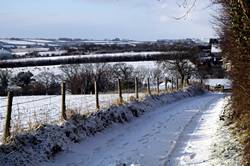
point(195, 144)
point(152, 139)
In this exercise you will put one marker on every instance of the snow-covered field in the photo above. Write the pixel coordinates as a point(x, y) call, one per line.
point(142, 54)
point(36, 70)
point(16, 42)
point(176, 134)
point(39, 41)
point(26, 41)
point(31, 110)
point(56, 70)
point(50, 53)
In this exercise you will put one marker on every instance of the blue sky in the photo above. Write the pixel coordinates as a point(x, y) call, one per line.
point(100, 19)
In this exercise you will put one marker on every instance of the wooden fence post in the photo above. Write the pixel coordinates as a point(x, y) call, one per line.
point(182, 83)
point(120, 91)
point(97, 95)
point(222, 88)
point(166, 84)
point(158, 85)
point(136, 88)
point(148, 86)
point(172, 84)
point(7, 126)
point(177, 84)
point(187, 82)
point(63, 93)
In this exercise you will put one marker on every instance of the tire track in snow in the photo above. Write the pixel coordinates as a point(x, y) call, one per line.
point(166, 162)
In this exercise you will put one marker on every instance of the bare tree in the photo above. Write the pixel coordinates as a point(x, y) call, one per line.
point(155, 73)
point(122, 70)
point(141, 72)
point(71, 75)
point(103, 74)
point(125, 72)
point(47, 79)
point(180, 68)
point(5, 76)
point(80, 78)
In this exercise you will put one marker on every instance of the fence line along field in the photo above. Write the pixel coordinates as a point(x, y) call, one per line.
point(19, 113)
point(29, 111)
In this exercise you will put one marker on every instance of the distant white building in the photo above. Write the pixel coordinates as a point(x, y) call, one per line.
point(219, 82)
point(215, 48)
point(4, 54)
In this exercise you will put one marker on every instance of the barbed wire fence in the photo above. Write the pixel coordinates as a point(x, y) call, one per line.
point(28, 112)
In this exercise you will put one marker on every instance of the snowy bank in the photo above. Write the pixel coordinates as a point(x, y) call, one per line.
point(226, 147)
point(47, 140)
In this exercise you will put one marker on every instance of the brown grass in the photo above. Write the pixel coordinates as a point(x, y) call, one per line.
point(243, 126)
point(240, 128)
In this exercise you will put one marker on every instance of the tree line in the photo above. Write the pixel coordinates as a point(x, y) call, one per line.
point(80, 78)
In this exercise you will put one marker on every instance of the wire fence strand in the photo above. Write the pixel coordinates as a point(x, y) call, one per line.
point(30, 111)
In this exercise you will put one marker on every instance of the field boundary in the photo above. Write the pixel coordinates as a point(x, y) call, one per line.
point(47, 140)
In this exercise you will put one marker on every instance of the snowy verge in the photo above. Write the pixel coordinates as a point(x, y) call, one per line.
point(46, 141)
point(226, 147)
